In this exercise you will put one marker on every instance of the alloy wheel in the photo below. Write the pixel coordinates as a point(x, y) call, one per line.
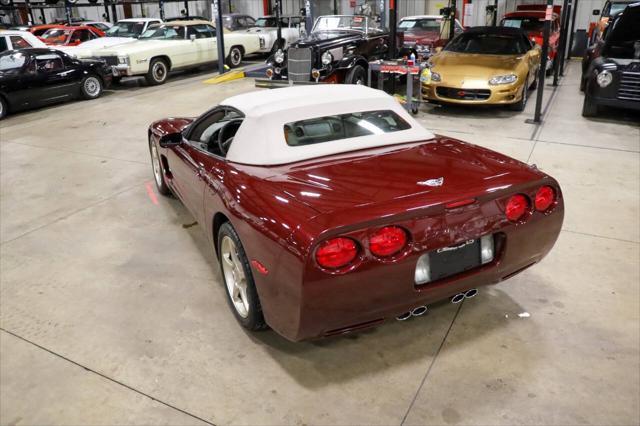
point(159, 71)
point(236, 56)
point(92, 87)
point(234, 277)
point(155, 162)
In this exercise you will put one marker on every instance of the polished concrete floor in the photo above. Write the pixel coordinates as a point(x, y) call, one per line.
point(112, 309)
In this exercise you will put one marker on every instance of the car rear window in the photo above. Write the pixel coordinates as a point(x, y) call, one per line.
point(343, 126)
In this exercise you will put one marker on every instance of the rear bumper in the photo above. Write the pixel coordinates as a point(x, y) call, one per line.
point(323, 304)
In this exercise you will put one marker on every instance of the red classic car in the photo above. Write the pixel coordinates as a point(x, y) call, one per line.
point(530, 17)
point(422, 34)
point(331, 209)
point(70, 36)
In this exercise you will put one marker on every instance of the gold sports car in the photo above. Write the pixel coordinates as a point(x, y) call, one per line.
point(483, 65)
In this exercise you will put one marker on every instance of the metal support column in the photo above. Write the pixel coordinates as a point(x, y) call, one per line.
point(573, 28)
point(217, 15)
point(42, 16)
point(186, 7)
point(309, 15)
point(566, 31)
point(31, 19)
point(452, 19)
point(67, 11)
point(161, 8)
point(114, 12)
point(495, 13)
point(543, 61)
point(106, 13)
point(563, 37)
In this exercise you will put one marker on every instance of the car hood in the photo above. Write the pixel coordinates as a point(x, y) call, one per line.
point(436, 171)
point(421, 37)
point(474, 65)
point(138, 46)
point(323, 39)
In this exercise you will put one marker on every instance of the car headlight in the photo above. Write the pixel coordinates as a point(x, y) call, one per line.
point(428, 75)
point(279, 56)
point(503, 79)
point(123, 60)
point(435, 76)
point(326, 58)
point(604, 78)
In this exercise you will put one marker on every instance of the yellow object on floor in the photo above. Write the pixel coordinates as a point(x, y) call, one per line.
point(227, 76)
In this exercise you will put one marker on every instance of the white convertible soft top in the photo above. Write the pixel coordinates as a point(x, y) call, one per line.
point(260, 139)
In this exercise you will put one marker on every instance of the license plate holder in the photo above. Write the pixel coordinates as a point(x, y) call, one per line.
point(448, 261)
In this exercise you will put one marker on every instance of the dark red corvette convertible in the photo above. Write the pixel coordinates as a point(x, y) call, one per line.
point(331, 209)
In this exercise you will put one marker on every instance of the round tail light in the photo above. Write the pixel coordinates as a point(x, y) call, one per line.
point(336, 252)
point(517, 207)
point(388, 241)
point(545, 197)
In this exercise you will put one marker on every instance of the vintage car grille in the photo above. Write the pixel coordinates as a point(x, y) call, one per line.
point(463, 94)
point(110, 60)
point(299, 64)
point(629, 89)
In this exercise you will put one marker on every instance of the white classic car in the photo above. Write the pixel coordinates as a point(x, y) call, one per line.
point(173, 46)
point(267, 29)
point(13, 40)
point(124, 31)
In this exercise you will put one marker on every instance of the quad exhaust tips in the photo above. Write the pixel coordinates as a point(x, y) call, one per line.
point(466, 295)
point(415, 312)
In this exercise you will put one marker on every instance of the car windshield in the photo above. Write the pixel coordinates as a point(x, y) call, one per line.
point(343, 126)
point(126, 29)
point(11, 63)
point(617, 8)
point(56, 36)
point(623, 36)
point(164, 32)
point(431, 24)
point(340, 23)
point(487, 44)
point(266, 22)
point(527, 24)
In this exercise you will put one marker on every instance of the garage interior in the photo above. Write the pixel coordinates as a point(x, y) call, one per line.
point(113, 310)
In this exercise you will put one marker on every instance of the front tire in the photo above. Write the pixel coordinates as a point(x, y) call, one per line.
point(235, 57)
point(158, 174)
point(91, 87)
point(238, 280)
point(522, 103)
point(158, 72)
point(356, 75)
point(4, 108)
point(589, 107)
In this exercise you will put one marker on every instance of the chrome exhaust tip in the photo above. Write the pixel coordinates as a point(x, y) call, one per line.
point(420, 310)
point(404, 317)
point(458, 298)
point(471, 293)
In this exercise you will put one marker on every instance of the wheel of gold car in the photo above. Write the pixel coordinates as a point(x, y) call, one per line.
point(238, 279)
point(522, 103)
point(158, 72)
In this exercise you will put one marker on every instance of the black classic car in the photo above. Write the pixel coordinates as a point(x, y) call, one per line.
point(30, 78)
point(611, 69)
point(338, 49)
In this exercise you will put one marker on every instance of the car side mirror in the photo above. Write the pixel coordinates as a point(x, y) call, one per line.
point(171, 139)
point(596, 12)
point(192, 37)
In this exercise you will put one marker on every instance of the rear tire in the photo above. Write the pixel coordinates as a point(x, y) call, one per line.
point(589, 108)
point(156, 167)
point(356, 75)
point(238, 280)
point(235, 57)
point(91, 87)
point(158, 72)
